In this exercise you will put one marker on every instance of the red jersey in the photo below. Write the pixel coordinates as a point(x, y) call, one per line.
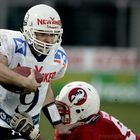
point(100, 127)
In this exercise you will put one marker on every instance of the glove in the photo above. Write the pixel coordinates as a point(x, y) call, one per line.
point(23, 123)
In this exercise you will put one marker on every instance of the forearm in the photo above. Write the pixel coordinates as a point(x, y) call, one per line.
point(7, 76)
point(49, 96)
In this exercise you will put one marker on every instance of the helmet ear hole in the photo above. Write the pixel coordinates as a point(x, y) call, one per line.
point(78, 111)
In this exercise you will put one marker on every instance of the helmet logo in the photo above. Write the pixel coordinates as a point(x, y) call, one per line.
point(77, 96)
point(51, 21)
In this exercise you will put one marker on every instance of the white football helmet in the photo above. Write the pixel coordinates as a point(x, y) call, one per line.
point(42, 19)
point(76, 101)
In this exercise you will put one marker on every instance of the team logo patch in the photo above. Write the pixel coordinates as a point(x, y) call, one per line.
point(21, 46)
point(78, 96)
point(60, 57)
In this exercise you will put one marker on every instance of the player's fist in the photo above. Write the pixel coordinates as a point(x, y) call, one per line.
point(22, 123)
point(28, 84)
point(31, 84)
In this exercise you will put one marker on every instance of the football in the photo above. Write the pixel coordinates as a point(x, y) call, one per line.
point(24, 71)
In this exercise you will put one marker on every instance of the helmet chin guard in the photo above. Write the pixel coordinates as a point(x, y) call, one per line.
point(42, 19)
point(77, 100)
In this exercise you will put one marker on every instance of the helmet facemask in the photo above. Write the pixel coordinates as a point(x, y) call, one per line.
point(43, 47)
point(64, 112)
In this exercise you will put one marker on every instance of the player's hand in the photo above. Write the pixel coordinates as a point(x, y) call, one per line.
point(22, 123)
point(31, 84)
point(66, 129)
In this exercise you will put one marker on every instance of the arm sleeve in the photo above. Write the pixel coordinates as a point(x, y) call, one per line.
point(5, 46)
point(60, 73)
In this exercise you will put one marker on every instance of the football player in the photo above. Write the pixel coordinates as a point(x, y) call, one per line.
point(80, 101)
point(38, 46)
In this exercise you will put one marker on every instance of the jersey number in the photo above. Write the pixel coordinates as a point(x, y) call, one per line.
point(30, 104)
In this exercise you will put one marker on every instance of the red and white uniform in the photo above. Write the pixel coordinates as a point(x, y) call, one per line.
point(102, 127)
point(14, 46)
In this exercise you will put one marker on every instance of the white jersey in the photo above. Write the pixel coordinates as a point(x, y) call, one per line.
point(14, 46)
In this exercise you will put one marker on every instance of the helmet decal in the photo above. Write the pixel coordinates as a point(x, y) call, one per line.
point(77, 96)
point(48, 21)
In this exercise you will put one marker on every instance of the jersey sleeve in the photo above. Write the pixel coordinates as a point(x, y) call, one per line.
point(5, 45)
point(137, 137)
point(62, 60)
point(117, 128)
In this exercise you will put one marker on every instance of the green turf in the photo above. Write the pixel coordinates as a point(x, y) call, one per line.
point(47, 131)
point(127, 113)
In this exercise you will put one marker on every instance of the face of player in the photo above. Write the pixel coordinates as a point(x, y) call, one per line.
point(46, 38)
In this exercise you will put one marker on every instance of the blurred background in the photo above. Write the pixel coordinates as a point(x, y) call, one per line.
point(102, 41)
